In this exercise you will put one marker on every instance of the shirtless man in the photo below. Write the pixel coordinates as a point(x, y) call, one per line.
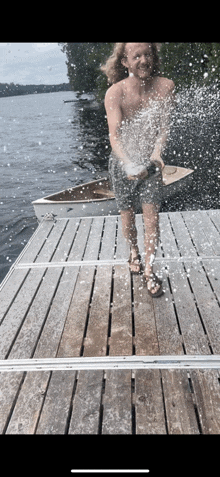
point(123, 101)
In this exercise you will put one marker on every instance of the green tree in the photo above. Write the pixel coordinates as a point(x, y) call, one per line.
point(190, 63)
point(83, 66)
point(213, 63)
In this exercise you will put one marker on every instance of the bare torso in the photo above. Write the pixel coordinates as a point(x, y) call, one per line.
point(128, 97)
point(133, 99)
point(125, 101)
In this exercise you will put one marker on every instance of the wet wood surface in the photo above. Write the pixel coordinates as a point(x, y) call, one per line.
point(49, 309)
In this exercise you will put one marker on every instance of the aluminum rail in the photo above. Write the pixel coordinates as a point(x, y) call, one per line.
point(112, 362)
point(92, 263)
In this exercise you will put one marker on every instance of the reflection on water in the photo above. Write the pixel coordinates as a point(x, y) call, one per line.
point(93, 143)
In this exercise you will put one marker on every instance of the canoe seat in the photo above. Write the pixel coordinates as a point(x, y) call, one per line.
point(104, 193)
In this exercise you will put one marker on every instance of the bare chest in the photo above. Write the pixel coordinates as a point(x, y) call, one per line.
point(134, 103)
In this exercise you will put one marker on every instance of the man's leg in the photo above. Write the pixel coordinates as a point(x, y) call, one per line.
point(151, 222)
point(130, 233)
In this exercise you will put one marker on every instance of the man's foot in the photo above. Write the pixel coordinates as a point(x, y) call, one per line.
point(154, 285)
point(135, 262)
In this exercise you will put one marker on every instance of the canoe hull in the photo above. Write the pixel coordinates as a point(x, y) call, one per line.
point(87, 209)
point(96, 199)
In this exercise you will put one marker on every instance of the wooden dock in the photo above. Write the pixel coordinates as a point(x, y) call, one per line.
point(70, 295)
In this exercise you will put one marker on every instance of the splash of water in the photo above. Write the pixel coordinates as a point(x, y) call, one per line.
point(194, 142)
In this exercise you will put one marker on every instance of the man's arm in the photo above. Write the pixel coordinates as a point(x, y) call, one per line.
point(164, 132)
point(114, 117)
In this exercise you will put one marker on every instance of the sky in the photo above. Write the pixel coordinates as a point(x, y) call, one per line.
point(32, 63)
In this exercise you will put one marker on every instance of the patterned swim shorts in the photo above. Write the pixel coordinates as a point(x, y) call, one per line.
point(133, 193)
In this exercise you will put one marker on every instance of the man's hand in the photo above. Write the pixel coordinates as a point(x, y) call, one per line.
point(158, 162)
point(142, 175)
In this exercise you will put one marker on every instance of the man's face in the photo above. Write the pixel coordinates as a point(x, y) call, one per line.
point(139, 60)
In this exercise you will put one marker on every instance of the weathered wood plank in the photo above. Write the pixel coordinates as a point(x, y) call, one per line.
point(117, 409)
point(10, 290)
point(181, 418)
point(117, 412)
point(121, 324)
point(180, 412)
point(194, 223)
point(167, 238)
point(140, 235)
point(108, 239)
point(85, 418)
point(66, 241)
point(207, 395)
point(148, 401)
point(96, 340)
point(168, 332)
point(148, 398)
point(146, 340)
point(123, 249)
point(73, 333)
point(212, 270)
point(195, 340)
point(207, 304)
point(121, 321)
point(80, 240)
point(93, 245)
point(36, 243)
point(78, 311)
point(9, 388)
point(56, 407)
point(215, 217)
point(86, 405)
point(182, 236)
point(87, 401)
point(212, 234)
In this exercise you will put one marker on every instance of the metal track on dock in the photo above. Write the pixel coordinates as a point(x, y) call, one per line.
point(113, 362)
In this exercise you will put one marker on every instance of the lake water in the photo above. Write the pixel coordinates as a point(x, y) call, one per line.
point(48, 145)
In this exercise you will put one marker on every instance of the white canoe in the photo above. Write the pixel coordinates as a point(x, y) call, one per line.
point(96, 199)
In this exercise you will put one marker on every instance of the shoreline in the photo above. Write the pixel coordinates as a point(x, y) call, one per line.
point(12, 89)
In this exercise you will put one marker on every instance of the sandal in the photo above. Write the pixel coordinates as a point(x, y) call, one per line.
point(132, 262)
point(155, 281)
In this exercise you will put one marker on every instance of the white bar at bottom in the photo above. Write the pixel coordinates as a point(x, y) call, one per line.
point(104, 471)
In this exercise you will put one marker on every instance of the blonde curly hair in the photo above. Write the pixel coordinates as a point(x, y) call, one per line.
point(114, 69)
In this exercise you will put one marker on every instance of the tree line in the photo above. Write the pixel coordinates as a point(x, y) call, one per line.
point(184, 63)
point(12, 89)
